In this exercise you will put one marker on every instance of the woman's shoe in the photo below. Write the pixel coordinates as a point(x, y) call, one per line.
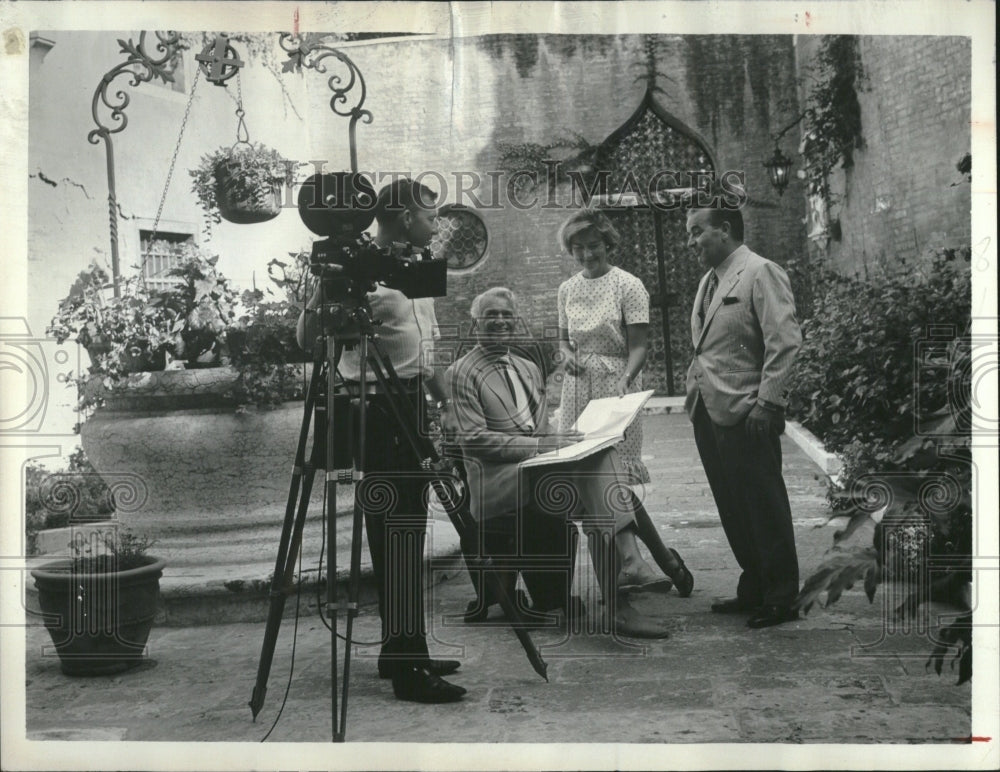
point(642, 580)
point(685, 582)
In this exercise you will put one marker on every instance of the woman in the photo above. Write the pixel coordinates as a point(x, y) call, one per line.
point(603, 329)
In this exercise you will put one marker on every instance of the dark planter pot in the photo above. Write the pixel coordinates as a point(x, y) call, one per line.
point(99, 622)
point(239, 205)
point(142, 360)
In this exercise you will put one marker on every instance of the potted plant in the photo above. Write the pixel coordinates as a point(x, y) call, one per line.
point(242, 415)
point(99, 604)
point(242, 183)
point(80, 311)
point(201, 306)
point(137, 330)
point(262, 344)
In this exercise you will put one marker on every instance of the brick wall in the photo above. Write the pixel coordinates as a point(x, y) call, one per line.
point(898, 200)
point(538, 89)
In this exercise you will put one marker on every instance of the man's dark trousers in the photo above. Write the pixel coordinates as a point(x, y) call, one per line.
point(745, 477)
point(538, 548)
point(396, 524)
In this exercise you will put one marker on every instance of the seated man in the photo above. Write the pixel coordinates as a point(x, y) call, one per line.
point(500, 418)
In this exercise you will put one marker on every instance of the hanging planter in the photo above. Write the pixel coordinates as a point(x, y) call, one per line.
point(242, 183)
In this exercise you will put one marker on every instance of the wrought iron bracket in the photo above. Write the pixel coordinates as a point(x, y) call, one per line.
point(108, 111)
point(347, 83)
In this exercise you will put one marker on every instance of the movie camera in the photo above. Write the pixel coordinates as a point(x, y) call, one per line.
point(340, 206)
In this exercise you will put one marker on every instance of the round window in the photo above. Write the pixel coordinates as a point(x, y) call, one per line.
point(461, 237)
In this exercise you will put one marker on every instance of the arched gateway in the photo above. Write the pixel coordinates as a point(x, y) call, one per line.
point(641, 167)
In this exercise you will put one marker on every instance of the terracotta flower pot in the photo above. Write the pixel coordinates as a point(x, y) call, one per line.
point(99, 622)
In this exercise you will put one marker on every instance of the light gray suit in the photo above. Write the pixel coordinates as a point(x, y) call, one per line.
point(746, 347)
point(743, 354)
point(495, 438)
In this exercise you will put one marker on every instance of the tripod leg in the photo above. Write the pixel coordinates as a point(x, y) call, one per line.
point(339, 724)
point(288, 545)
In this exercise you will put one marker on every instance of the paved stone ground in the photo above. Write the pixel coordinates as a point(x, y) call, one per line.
point(837, 676)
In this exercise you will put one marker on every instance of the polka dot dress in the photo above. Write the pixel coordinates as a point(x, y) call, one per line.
point(595, 312)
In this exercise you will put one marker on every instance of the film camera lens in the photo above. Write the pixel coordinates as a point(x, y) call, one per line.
point(337, 205)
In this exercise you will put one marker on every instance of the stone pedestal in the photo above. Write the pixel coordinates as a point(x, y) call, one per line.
point(181, 458)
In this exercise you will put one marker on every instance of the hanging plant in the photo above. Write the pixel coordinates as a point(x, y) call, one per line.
point(242, 183)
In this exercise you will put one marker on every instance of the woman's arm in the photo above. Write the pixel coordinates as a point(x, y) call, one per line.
point(638, 348)
point(567, 349)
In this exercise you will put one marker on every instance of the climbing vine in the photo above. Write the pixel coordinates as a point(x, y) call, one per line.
point(833, 112)
point(572, 151)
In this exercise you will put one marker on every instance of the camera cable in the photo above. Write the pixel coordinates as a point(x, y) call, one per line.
point(291, 666)
point(319, 590)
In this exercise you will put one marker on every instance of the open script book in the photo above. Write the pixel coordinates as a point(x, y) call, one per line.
point(603, 423)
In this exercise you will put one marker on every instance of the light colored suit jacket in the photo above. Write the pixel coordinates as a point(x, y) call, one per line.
point(746, 347)
point(493, 437)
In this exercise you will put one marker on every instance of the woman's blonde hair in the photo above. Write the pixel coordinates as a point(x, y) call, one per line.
point(583, 220)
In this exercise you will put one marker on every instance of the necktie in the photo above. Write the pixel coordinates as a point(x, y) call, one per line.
point(523, 403)
point(713, 283)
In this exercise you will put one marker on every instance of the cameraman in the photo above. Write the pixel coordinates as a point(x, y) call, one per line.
point(405, 212)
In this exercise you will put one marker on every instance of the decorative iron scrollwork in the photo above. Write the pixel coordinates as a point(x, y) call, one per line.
point(347, 85)
point(149, 68)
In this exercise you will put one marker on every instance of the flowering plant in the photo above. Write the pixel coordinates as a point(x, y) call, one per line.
point(135, 331)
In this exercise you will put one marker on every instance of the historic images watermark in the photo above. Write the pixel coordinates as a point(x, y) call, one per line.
point(526, 189)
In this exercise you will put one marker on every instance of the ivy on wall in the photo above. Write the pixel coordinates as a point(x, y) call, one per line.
point(571, 150)
point(525, 49)
point(718, 69)
point(833, 112)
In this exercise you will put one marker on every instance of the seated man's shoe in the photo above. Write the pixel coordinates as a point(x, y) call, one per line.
point(437, 667)
point(417, 685)
point(734, 606)
point(769, 616)
point(631, 623)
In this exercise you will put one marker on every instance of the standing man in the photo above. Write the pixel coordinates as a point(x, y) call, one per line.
point(406, 213)
point(745, 339)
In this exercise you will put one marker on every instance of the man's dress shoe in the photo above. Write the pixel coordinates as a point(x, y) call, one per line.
point(437, 667)
point(769, 616)
point(734, 606)
point(417, 685)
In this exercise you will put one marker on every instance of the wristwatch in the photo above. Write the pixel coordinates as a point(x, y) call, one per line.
point(441, 404)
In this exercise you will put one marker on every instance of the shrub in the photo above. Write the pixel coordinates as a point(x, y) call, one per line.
point(857, 378)
point(884, 379)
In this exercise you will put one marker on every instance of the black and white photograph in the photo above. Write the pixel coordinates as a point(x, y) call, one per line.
point(530, 385)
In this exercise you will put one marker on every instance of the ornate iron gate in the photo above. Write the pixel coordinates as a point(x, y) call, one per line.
point(638, 157)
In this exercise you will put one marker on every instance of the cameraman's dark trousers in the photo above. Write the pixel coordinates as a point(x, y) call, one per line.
point(396, 523)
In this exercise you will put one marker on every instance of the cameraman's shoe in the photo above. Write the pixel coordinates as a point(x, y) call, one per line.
point(437, 667)
point(417, 685)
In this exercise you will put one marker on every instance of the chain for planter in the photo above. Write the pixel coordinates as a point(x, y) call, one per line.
point(242, 132)
point(170, 174)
